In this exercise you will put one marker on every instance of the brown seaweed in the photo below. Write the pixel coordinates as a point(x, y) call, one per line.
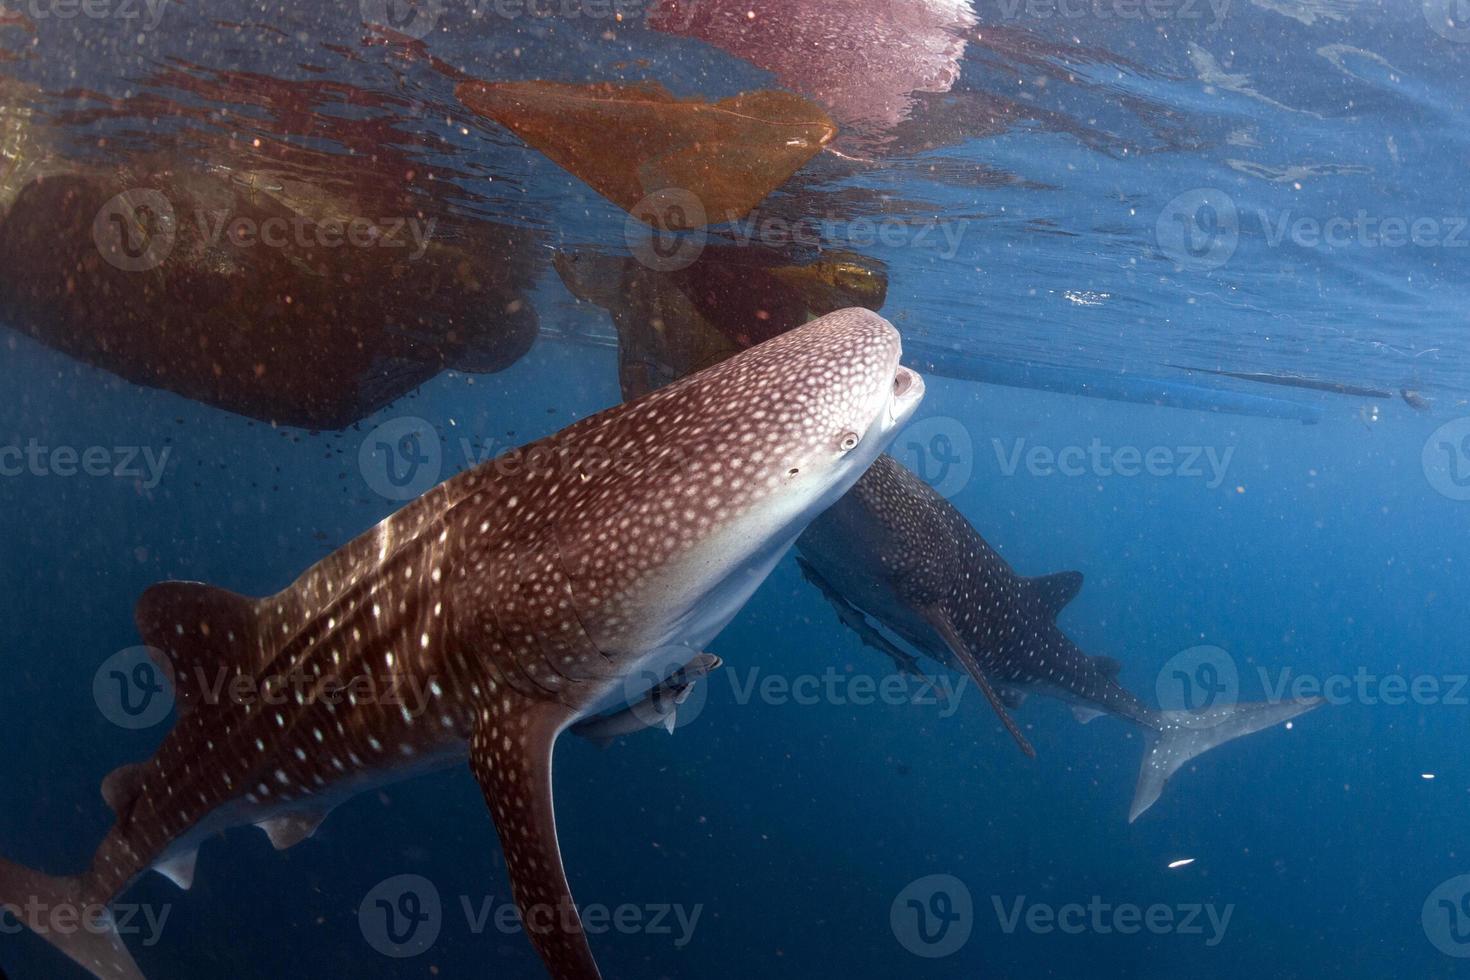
point(289, 284)
point(674, 323)
point(630, 141)
point(165, 276)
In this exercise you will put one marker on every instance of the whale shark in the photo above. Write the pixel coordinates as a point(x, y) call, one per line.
point(894, 549)
point(519, 594)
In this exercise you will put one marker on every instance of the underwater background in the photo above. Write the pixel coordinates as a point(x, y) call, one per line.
point(1079, 204)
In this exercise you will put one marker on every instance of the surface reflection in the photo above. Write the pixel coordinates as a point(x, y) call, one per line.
point(673, 323)
point(292, 285)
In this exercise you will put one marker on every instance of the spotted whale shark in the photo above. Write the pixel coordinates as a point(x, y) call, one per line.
point(896, 550)
point(519, 594)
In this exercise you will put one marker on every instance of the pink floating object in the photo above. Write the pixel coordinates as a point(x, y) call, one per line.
point(862, 61)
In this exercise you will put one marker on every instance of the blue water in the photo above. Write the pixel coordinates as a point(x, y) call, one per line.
point(1329, 549)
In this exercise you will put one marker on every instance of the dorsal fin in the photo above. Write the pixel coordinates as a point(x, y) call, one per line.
point(120, 787)
point(1108, 666)
point(201, 630)
point(1055, 591)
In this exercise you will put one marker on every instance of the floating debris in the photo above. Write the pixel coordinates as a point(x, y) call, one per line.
point(630, 141)
point(1294, 381)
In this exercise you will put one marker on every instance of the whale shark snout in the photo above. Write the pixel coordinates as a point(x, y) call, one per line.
point(806, 414)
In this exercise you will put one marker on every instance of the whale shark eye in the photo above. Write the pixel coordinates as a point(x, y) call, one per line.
point(847, 441)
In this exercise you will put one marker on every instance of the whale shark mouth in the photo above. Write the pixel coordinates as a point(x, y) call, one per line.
point(908, 391)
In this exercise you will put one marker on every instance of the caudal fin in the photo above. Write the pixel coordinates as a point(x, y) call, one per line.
point(1178, 736)
point(56, 910)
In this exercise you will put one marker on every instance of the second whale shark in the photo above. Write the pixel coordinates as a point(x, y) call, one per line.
point(893, 548)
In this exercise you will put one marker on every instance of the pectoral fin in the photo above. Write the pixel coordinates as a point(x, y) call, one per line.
point(510, 753)
point(967, 659)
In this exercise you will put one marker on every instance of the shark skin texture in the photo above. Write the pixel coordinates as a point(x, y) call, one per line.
point(516, 596)
point(895, 549)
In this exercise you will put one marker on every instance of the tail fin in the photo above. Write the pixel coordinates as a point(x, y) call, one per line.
point(1178, 736)
point(57, 910)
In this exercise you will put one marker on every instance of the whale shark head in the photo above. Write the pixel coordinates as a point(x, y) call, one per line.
point(734, 462)
point(818, 406)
